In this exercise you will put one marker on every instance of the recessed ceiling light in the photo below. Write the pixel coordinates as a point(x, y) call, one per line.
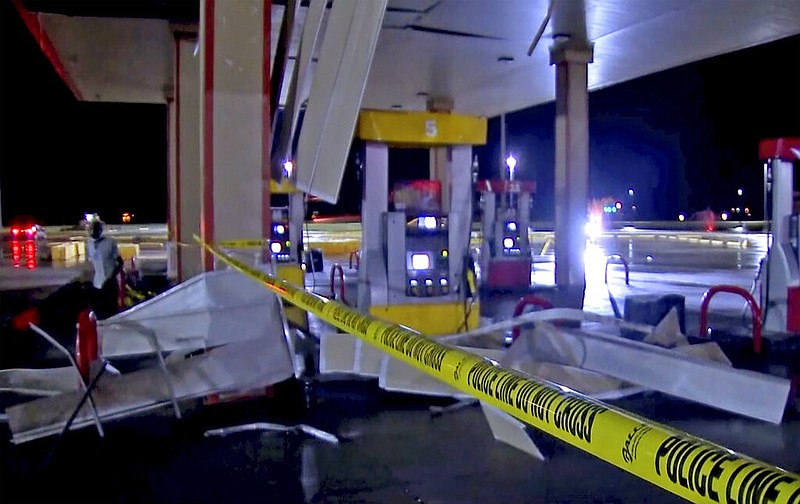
point(505, 59)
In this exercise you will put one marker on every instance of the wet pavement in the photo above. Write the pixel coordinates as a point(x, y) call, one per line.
point(391, 448)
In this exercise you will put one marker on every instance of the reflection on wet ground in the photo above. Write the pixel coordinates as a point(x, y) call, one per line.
point(391, 450)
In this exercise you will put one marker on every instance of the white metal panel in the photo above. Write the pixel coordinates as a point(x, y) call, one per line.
point(337, 353)
point(114, 60)
point(460, 215)
point(397, 376)
point(507, 20)
point(44, 382)
point(335, 99)
point(238, 366)
point(412, 5)
point(300, 69)
point(632, 38)
point(208, 310)
point(604, 18)
point(678, 374)
point(699, 31)
point(510, 431)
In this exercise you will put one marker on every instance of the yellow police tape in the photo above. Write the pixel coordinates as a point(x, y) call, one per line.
point(332, 248)
point(257, 243)
point(692, 468)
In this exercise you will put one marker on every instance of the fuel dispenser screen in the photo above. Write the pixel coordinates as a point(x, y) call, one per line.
point(427, 257)
point(511, 239)
point(279, 237)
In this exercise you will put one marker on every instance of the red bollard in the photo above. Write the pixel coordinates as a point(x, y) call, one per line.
point(22, 321)
point(527, 300)
point(731, 289)
point(87, 343)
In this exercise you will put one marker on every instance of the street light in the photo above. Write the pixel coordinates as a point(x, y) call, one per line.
point(740, 191)
point(288, 168)
point(630, 192)
point(511, 162)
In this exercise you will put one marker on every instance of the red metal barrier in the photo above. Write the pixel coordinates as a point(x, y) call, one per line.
point(527, 300)
point(334, 268)
point(357, 255)
point(731, 289)
point(618, 259)
point(87, 344)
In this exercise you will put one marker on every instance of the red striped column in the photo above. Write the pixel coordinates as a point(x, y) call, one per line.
point(234, 120)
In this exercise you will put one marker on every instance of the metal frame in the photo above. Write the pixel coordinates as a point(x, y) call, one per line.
point(38, 330)
point(337, 267)
point(151, 337)
point(618, 259)
point(357, 255)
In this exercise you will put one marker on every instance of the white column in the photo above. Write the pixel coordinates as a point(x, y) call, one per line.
point(372, 288)
point(234, 78)
point(185, 180)
point(172, 168)
point(572, 164)
point(782, 199)
point(172, 181)
point(440, 156)
point(460, 212)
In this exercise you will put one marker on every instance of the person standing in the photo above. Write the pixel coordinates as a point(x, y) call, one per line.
point(107, 263)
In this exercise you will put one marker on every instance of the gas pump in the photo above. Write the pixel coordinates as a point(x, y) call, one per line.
point(506, 248)
point(414, 256)
point(780, 278)
point(286, 240)
point(280, 246)
point(417, 250)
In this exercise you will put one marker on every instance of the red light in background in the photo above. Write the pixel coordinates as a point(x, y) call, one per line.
point(16, 253)
point(15, 231)
point(30, 255)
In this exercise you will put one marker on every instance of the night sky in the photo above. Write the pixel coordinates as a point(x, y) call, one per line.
point(684, 139)
point(59, 157)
